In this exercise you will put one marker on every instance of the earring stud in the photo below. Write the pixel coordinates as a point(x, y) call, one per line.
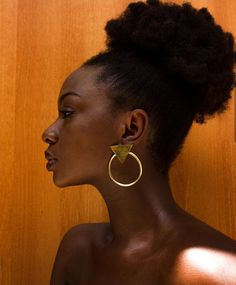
point(121, 151)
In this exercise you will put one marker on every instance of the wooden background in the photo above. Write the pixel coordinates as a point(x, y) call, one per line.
point(42, 41)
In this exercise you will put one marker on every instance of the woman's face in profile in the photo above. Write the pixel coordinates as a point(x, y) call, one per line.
point(80, 138)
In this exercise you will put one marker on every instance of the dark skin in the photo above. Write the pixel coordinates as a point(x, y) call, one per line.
point(150, 239)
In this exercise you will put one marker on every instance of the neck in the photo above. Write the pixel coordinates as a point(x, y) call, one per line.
point(141, 213)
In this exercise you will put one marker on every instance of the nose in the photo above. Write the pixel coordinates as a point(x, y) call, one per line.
point(50, 136)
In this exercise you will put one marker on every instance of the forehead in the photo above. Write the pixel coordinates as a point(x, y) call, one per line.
point(83, 81)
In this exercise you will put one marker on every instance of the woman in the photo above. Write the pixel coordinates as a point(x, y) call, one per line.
point(123, 118)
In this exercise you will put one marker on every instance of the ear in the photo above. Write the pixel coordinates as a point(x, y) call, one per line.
point(135, 126)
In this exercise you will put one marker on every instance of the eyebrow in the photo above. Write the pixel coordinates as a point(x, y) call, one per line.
point(62, 97)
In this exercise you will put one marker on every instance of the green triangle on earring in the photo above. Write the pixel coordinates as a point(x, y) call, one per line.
point(121, 151)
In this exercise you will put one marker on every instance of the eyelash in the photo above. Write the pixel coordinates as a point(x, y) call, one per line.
point(65, 114)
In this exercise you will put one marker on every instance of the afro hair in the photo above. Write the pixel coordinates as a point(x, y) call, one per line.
point(172, 60)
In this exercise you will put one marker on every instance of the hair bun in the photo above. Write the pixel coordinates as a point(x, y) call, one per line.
point(185, 42)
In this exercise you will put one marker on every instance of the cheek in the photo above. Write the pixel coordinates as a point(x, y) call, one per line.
point(85, 142)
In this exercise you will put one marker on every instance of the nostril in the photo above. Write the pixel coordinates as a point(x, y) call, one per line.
point(50, 138)
point(48, 141)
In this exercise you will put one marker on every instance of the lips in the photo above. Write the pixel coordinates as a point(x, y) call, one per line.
point(51, 160)
point(50, 164)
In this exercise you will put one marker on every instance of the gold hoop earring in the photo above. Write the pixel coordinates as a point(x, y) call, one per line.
point(121, 152)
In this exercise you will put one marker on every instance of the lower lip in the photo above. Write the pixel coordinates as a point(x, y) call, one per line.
point(51, 163)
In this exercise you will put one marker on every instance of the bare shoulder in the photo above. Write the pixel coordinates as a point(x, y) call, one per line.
point(206, 266)
point(82, 234)
point(205, 256)
point(74, 248)
point(80, 237)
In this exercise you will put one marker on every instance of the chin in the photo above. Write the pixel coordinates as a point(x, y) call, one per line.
point(63, 182)
point(60, 182)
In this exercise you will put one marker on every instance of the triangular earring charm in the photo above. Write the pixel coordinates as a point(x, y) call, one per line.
point(121, 151)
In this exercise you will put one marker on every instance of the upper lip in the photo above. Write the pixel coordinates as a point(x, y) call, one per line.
point(49, 155)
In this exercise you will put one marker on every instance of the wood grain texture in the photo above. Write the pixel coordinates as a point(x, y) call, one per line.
point(41, 43)
point(8, 28)
point(205, 170)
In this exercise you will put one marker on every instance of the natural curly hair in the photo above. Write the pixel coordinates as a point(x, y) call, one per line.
point(171, 60)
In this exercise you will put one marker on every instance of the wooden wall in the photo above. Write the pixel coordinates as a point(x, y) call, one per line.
point(42, 41)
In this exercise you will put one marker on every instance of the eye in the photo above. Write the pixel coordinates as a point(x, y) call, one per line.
point(65, 114)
